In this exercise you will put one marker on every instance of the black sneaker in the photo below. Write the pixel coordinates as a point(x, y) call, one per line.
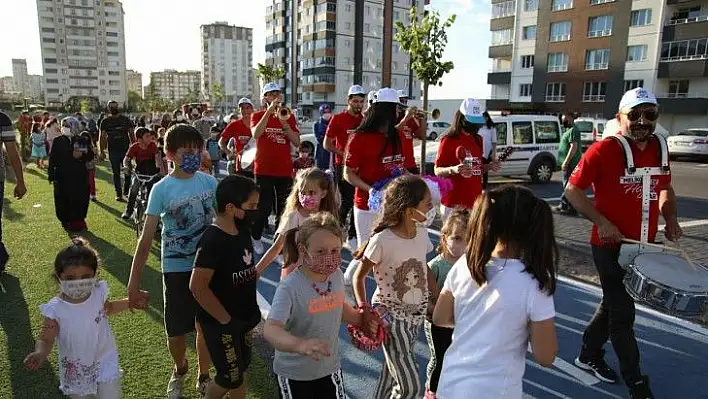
point(598, 367)
point(640, 389)
point(126, 216)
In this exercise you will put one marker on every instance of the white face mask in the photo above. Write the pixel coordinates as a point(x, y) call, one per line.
point(180, 118)
point(66, 131)
point(77, 289)
point(429, 217)
point(327, 116)
point(456, 248)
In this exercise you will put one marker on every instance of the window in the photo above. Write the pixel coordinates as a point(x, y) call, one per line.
point(596, 2)
point(678, 88)
point(501, 132)
point(684, 50)
point(637, 53)
point(529, 32)
point(505, 9)
point(687, 15)
point(559, 5)
point(597, 59)
point(50, 60)
point(546, 132)
point(640, 17)
point(594, 91)
point(501, 37)
point(525, 90)
point(555, 92)
point(527, 61)
point(633, 84)
point(557, 62)
point(530, 5)
point(560, 31)
point(48, 40)
point(522, 133)
point(600, 26)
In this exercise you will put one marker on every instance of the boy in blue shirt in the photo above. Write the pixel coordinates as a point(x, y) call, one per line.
point(184, 202)
point(212, 147)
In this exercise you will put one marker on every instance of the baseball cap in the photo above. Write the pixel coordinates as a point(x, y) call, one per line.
point(356, 90)
point(371, 97)
point(387, 95)
point(637, 96)
point(243, 101)
point(271, 86)
point(472, 111)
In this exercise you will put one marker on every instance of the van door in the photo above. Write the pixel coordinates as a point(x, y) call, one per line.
point(544, 152)
point(502, 144)
point(520, 137)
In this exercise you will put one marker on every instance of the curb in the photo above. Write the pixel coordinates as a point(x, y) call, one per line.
point(580, 247)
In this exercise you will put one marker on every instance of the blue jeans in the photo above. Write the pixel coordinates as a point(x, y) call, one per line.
point(565, 204)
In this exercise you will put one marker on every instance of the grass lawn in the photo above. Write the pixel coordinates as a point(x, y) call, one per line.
point(33, 236)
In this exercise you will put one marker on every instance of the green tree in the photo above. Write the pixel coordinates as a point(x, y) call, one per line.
point(217, 93)
point(425, 40)
point(269, 73)
point(191, 97)
point(135, 102)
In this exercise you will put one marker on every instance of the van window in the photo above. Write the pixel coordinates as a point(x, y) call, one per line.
point(501, 133)
point(547, 132)
point(584, 126)
point(600, 128)
point(523, 133)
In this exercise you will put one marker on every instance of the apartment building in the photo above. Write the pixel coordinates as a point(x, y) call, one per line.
point(35, 87)
point(20, 78)
point(552, 56)
point(176, 85)
point(134, 81)
point(326, 46)
point(83, 50)
point(227, 60)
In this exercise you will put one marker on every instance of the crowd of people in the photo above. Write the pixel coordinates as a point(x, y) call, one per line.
point(495, 244)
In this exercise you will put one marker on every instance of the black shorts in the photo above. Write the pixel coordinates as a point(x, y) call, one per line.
point(230, 350)
point(328, 387)
point(180, 305)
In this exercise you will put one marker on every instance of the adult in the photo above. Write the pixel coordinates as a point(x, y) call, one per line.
point(238, 129)
point(374, 151)
point(177, 117)
point(339, 130)
point(51, 128)
point(460, 158)
point(319, 128)
point(7, 137)
point(411, 126)
point(165, 120)
point(273, 164)
point(617, 214)
point(204, 124)
point(489, 144)
point(116, 134)
point(569, 154)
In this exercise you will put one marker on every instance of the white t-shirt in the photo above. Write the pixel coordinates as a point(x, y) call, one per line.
point(489, 138)
point(489, 343)
point(87, 348)
point(293, 220)
point(401, 272)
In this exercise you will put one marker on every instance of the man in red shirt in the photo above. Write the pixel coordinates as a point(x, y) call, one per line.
point(339, 129)
point(617, 214)
point(240, 131)
point(273, 164)
point(410, 127)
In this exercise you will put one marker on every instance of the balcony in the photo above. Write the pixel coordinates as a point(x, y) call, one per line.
point(685, 28)
point(599, 98)
point(499, 78)
point(501, 51)
point(555, 99)
point(683, 67)
point(683, 103)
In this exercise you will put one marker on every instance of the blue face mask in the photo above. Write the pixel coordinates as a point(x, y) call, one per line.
point(191, 162)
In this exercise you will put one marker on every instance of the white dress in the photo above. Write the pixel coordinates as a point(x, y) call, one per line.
point(87, 349)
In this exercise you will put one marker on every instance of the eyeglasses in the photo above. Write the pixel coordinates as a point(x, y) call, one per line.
point(649, 114)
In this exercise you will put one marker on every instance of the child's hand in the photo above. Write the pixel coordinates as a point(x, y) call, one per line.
point(34, 360)
point(370, 322)
point(315, 348)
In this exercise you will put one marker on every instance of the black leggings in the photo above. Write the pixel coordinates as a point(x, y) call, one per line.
point(116, 159)
point(274, 191)
point(328, 387)
point(439, 339)
point(346, 192)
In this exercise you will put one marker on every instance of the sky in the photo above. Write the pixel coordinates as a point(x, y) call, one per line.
point(164, 34)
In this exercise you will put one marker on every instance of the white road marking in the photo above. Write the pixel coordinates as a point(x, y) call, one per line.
point(547, 390)
point(572, 370)
point(692, 223)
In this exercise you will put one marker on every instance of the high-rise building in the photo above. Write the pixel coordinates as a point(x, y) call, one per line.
point(227, 60)
point(35, 87)
point(580, 56)
point(6, 85)
point(176, 85)
point(325, 47)
point(134, 80)
point(255, 86)
point(19, 75)
point(83, 50)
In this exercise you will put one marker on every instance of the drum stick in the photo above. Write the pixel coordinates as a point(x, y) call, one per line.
point(648, 244)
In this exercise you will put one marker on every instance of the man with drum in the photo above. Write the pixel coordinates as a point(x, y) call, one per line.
point(239, 130)
point(616, 215)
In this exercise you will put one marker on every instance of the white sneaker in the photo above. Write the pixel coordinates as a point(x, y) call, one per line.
point(257, 246)
point(174, 387)
point(352, 244)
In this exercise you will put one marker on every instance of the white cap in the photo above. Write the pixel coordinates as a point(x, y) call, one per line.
point(637, 96)
point(402, 94)
point(472, 111)
point(356, 90)
point(371, 97)
point(387, 95)
point(271, 86)
point(243, 101)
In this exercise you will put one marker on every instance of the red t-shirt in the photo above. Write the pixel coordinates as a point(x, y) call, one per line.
point(407, 133)
point(465, 190)
point(237, 130)
point(340, 128)
point(603, 167)
point(144, 157)
point(273, 156)
point(365, 152)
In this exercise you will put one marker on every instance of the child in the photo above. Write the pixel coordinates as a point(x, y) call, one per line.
point(452, 246)
point(499, 296)
point(224, 285)
point(184, 202)
point(91, 165)
point(212, 146)
point(39, 144)
point(147, 162)
point(304, 159)
point(307, 311)
point(231, 166)
point(88, 357)
point(397, 253)
point(161, 147)
point(312, 192)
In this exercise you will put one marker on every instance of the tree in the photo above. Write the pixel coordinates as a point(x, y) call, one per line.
point(135, 102)
point(425, 41)
point(269, 73)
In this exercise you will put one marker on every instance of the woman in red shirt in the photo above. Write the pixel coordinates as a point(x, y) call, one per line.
point(374, 151)
point(460, 158)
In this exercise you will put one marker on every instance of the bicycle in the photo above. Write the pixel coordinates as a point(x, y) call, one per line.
point(141, 200)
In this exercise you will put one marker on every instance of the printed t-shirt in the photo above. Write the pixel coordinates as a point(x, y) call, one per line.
point(186, 207)
point(273, 156)
point(571, 135)
point(308, 315)
point(289, 222)
point(340, 128)
point(440, 268)
point(234, 280)
point(465, 190)
point(488, 351)
point(116, 128)
point(144, 158)
point(239, 131)
point(401, 273)
point(408, 133)
point(619, 198)
point(368, 152)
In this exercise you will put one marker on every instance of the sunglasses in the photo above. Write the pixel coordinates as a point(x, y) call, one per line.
point(649, 114)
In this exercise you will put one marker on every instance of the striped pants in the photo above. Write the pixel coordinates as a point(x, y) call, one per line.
point(327, 387)
point(399, 376)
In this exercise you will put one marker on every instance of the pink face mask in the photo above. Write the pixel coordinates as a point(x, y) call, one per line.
point(324, 264)
point(309, 202)
point(456, 248)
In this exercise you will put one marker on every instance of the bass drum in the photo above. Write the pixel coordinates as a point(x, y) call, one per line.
point(248, 156)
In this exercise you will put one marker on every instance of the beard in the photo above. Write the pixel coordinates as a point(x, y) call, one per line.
point(640, 131)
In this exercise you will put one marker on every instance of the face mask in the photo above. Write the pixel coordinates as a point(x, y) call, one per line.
point(309, 202)
point(429, 217)
point(179, 118)
point(327, 116)
point(249, 217)
point(77, 289)
point(66, 131)
point(455, 247)
point(191, 162)
point(324, 264)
